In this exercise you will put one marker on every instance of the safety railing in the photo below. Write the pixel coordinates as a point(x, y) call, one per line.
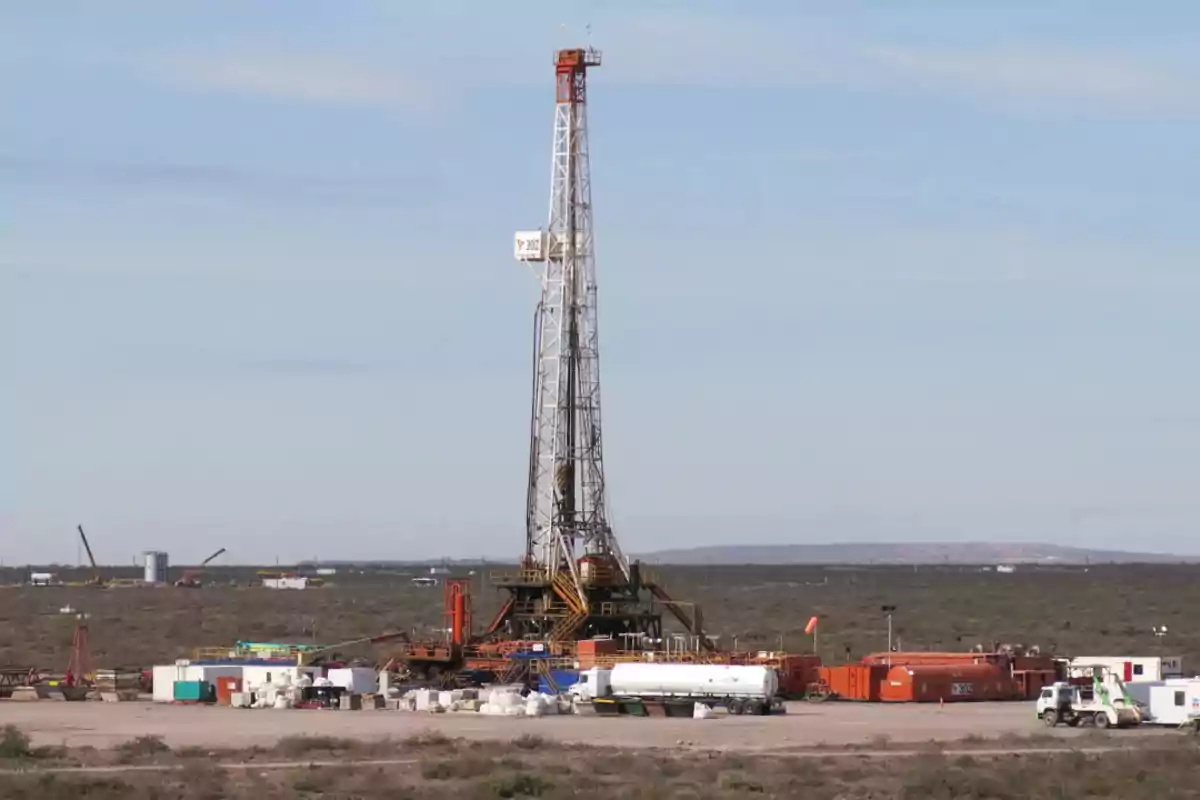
point(527, 576)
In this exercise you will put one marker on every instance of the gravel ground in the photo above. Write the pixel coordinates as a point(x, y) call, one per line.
point(805, 725)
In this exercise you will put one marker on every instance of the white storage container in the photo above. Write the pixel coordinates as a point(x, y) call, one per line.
point(1174, 702)
point(356, 680)
point(1131, 669)
point(164, 677)
point(693, 680)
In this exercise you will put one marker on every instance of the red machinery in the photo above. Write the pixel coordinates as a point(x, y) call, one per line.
point(79, 668)
point(457, 598)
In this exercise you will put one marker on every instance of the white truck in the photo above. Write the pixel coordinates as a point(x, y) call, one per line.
point(1104, 703)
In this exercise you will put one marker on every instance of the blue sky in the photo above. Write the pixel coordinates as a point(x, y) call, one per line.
point(869, 271)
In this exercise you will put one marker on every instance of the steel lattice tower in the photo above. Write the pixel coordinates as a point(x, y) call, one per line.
point(574, 579)
point(566, 505)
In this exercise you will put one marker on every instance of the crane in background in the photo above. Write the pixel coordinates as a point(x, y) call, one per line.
point(191, 577)
point(97, 579)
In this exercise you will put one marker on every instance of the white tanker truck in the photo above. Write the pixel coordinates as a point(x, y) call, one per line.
point(622, 689)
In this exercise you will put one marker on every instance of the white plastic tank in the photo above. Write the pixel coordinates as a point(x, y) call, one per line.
point(156, 566)
point(693, 680)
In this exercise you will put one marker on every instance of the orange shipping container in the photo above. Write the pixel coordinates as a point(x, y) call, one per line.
point(1031, 682)
point(587, 651)
point(796, 672)
point(950, 683)
point(226, 688)
point(854, 681)
point(596, 647)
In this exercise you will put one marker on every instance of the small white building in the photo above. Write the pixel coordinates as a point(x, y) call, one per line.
point(164, 677)
point(1172, 702)
point(1131, 669)
point(293, 582)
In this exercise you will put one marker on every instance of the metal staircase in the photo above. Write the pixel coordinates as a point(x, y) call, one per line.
point(564, 587)
point(565, 628)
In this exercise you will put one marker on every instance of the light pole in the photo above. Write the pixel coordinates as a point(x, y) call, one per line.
point(888, 610)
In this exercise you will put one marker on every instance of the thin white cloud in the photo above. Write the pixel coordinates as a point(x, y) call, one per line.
point(1033, 77)
point(701, 49)
point(307, 78)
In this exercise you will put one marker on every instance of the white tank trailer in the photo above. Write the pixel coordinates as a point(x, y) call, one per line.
point(742, 689)
point(156, 566)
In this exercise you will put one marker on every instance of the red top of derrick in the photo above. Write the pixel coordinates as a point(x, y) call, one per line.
point(570, 68)
point(577, 58)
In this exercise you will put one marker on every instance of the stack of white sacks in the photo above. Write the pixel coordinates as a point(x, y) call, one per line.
point(282, 692)
point(505, 701)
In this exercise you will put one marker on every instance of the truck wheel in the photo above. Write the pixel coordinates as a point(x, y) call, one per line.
point(1101, 719)
point(1050, 717)
point(736, 707)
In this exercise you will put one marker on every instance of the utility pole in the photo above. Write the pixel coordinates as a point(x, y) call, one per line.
point(889, 609)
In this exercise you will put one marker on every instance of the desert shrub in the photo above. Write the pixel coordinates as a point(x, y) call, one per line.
point(56, 787)
point(456, 768)
point(736, 782)
point(521, 785)
point(314, 781)
point(429, 738)
point(530, 741)
point(14, 743)
point(141, 747)
point(880, 741)
point(296, 746)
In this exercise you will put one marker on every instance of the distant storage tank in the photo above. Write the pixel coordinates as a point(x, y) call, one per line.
point(156, 566)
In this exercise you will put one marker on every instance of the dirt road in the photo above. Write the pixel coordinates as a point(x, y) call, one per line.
point(805, 725)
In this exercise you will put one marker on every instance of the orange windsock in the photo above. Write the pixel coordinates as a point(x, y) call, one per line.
point(811, 626)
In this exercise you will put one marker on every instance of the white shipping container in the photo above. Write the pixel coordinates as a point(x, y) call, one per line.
point(1130, 668)
point(300, 582)
point(357, 680)
point(164, 677)
point(1174, 702)
point(693, 680)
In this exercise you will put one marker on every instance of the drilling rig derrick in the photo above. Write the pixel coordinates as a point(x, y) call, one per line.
point(574, 581)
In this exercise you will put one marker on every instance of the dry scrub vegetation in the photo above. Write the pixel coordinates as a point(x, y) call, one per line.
point(434, 766)
point(1106, 610)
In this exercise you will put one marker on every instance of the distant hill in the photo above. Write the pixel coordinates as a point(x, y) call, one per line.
point(905, 553)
